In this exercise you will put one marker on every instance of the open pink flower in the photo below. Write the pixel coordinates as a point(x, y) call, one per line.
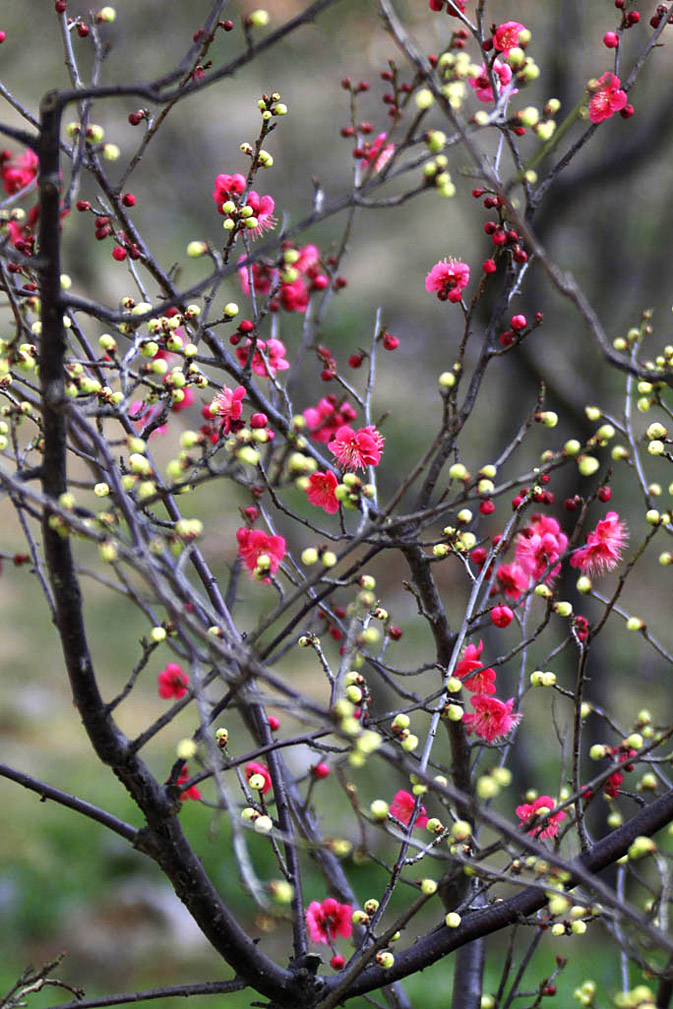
point(18, 172)
point(325, 418)
point(512, 580)
point(482, 682)
point(262, 208)
point(538, 546)
point(492, 719)
point(255, 543)
point(607, 99)
point(402, 807)
point(274, 352)
point(227, 406)
point(321, 491)
point(230, 187)
point(357, 449)
point(506, 36)
point(482, 85)
point(329, 919)
point(190, 793)
point(173, 682)
point(449, 278)
point(604, 546)
point(542, 805)
point(254, 767)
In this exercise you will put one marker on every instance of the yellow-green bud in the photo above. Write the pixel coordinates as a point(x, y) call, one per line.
point(428, 887)
point(258, 19)
point(186, 749)
point(379, 809)
point(452, 920)
point(588, 465)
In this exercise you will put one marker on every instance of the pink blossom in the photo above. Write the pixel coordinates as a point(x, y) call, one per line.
point(449, 279)
point(263, 208)
point(18, 172)
point(321, 491)
point(512, 580)
point(189, 793)
point(227, 186)
point(377, 153)
point(501, 616)
point(506, 36)
point(538, 546)
point(230, 187)
point(482, 85)
point(228, 406)
point(274, 352)
point(254, 767)
point(294, 296)
point(607, 99)
point(402, 808)
point(481, 682)
point(603, 548)
point(255, 543)
point(326, 417)
point(528, 810)
point(357, 449)
point(328, 919)
point(492, 719)
point(172, 682)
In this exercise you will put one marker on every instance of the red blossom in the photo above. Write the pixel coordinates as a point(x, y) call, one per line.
point(357, 449)
point(492, 719)
point(478, 682)
point(512, 580)
point(604, 546)
point(482, 85)
point(173, 682)
point(274, 352)
point(230, 187)
point(506, 36)
point(402, 808)
point(538, 546)
point(607, 99)
point(448, 278)
point(328, 919)
point(377, 153)
point(501, 616)
point(190, 793)
point(255, 543)
point(228, 406)
point(321, 491)
point(18, 172)
point(326, 417)
point(542, 803)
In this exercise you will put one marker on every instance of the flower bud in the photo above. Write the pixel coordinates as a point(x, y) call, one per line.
point(379, 809)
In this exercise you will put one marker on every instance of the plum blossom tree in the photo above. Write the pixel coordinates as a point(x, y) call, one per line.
point(122, 420)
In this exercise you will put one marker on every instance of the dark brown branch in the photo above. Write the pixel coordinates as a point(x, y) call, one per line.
point(113, 823)
point(477, 924)
point(171, 991)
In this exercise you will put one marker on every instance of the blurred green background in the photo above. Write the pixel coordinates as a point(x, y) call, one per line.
point(64, 883)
